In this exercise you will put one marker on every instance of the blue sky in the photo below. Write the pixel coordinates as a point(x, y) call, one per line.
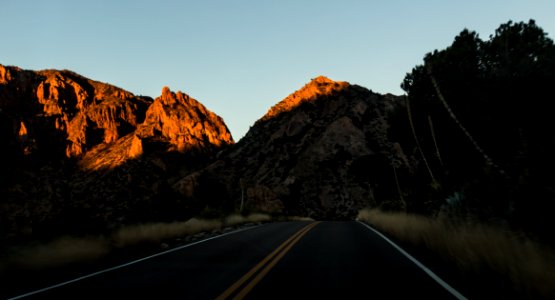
point(241, 57)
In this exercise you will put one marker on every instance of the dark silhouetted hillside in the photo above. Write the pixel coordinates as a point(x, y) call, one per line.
point(324, 151)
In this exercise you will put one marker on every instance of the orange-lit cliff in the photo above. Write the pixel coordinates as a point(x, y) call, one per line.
point(77, 150)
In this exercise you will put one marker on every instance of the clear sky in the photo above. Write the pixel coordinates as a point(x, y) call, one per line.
point(240, 57)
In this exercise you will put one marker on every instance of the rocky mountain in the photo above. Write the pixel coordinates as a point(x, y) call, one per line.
point(92, 155)
point(324, 151)
point(86, 155)
point(180, 122)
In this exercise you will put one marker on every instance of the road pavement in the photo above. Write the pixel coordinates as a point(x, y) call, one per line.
point(287, 260)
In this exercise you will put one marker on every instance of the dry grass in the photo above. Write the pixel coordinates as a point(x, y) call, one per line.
point(475, 248)
point(237, 219)
point(258, 217)
point(157, 232)
point(297, 218)
point(66, 250)
point(62, 251)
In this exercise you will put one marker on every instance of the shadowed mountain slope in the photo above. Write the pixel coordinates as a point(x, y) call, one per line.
point(322, 151)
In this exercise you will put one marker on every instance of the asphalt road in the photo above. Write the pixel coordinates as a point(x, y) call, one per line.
point(291, 260)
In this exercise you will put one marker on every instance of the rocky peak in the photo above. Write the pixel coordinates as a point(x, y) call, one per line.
point(317, 87)
point(68, 115)
point(175, 120)
point(167, 97)
point(185, 122)
point(307, 159)
point(321, 80)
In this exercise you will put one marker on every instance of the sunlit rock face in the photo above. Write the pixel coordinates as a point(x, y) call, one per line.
point(317, 153)
point(75, 149)
point(319, 87)
point(70, 115)
point(175, 120)
point(185, 122)
point(67, 114)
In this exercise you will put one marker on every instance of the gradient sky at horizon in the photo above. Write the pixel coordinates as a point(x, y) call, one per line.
point(241, 57)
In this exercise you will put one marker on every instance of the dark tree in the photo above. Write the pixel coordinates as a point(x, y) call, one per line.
point(494, 125)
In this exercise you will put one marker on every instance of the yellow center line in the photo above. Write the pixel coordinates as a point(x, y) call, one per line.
point(286, 246)
point(265, 271)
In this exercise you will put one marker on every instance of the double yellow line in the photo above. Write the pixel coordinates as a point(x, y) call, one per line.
point(269, 261)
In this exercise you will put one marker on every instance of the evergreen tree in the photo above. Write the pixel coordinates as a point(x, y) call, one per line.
point(489, 101)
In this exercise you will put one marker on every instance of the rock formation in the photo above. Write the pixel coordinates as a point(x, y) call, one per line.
point(82, 153)
point(180, 122)
point(323, 151)
point(66, 112)
point(185, 122)
point(86, 156)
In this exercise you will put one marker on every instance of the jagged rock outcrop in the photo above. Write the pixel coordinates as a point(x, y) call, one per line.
point(185, 122)
point(66, 114)
point(175, 120)
point(83, 156)
point(324, 151)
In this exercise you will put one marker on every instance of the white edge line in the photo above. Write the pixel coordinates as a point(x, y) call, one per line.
point(441, 282)
point(128, 263)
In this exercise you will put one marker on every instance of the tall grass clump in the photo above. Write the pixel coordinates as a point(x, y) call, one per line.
point(157, 232)
point(258, 217)
point(475, 248)
point(236, 219)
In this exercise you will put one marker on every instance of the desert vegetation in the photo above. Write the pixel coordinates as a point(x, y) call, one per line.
point(477, 122)
point(478, 191)
point(478, 251)
point(158, 232)
point(68, 250)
